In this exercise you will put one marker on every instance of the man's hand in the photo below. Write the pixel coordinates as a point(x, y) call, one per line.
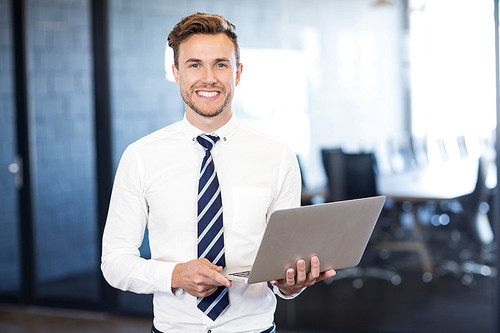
point(292, 283)
point(198, 277)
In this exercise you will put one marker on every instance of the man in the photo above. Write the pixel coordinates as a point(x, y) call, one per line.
point(205, 188)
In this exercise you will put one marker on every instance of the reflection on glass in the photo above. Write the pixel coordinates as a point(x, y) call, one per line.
point(9, 233)
point(61, 122)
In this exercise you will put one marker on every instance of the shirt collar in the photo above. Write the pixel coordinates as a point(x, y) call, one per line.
point(224, 133)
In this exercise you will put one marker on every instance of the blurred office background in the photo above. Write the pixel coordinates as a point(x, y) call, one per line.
point(411, 83)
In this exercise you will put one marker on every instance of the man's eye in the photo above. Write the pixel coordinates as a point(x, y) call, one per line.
point(221, 65)
point(195, 65)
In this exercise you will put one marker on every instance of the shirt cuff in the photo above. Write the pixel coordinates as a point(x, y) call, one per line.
point(278, 292)
point(163, 276)
point(178, 291)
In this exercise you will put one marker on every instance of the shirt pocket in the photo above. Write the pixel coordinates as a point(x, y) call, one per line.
point(250, 205)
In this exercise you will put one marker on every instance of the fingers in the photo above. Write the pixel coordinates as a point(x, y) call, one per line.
point(198, 277)
point(301, 271)
point(326, 275)
point(203, 291)
point(305, 278)
point(290, 277)
point(220, 279)
point(214, 274)
point(295, 281)
point(314, 274)
point(207, 263)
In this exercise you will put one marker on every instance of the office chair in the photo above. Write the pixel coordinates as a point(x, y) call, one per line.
point(419, 151)
point(462, 146)
point(333, 163)
point(471, 252)
point(352, 176)
point(401, 155)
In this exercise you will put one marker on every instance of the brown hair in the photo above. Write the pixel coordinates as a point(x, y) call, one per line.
point(201, 23)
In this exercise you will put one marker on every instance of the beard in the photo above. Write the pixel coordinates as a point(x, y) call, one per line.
point(187, 97)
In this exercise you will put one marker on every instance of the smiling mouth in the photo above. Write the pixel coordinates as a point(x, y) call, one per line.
point(204, 93)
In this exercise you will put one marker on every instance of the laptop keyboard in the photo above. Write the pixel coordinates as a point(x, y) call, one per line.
point(244, 274)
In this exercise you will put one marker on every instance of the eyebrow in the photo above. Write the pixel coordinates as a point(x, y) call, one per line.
point(192, 60)
point(199, 60)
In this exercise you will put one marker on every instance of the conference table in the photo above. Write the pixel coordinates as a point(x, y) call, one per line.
point(447, 181)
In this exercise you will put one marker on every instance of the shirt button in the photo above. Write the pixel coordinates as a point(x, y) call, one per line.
point(209, 331)
point(224, 138)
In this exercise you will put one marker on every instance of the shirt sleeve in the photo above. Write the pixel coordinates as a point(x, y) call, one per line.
point(278, 292)
point(121, 264)
point(290, 186)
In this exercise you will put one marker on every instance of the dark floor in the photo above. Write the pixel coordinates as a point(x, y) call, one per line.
point(448, 303)
point(444, 305)
point(35, 319)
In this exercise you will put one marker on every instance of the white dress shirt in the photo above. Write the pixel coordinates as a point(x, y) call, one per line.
point(156, 186)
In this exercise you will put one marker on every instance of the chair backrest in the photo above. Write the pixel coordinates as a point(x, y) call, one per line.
point(471, 202)
point(462, 146)
point(419, 151)
point(334, 169)
point(350, 175)
point(359, 175)
point(401, 155)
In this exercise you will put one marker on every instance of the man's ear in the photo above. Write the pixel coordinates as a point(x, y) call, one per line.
point(239, 70)
point(176, 73)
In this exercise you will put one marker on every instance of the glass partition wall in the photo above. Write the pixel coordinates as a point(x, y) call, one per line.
point(62, 150)
point(10, 258)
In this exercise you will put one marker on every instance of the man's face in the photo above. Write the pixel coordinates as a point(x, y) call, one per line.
point(207, 74)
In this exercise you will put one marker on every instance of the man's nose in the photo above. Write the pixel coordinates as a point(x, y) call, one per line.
point(209, 76)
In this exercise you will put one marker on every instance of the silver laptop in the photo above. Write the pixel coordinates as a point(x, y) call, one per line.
point(336, 232)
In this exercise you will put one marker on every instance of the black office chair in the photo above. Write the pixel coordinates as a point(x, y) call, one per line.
point(359, 175)
point(352, 176)
point(470, 255)
point(334, 169)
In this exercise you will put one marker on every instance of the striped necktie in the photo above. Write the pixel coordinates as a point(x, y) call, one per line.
point(210, 227)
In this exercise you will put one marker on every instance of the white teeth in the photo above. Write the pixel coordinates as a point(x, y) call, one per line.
point(207, 93)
